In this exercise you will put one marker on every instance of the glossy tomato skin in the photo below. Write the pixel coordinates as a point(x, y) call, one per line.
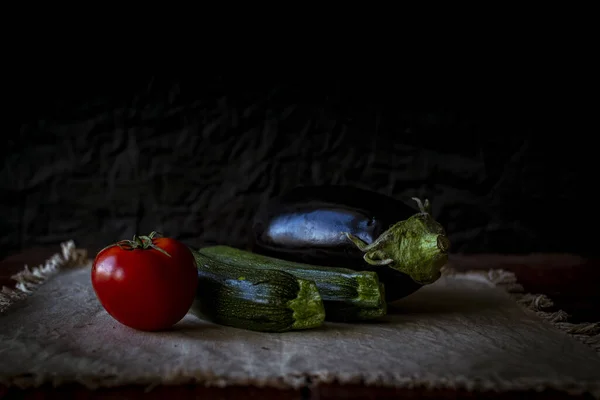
point(144, 288)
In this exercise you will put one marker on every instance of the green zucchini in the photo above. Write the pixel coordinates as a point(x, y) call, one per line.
point(347, 295)
point(248, 298)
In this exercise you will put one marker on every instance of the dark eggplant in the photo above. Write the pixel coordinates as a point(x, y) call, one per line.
point(342, 226)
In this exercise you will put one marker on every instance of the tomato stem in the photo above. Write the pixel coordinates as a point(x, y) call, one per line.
point(139, 242)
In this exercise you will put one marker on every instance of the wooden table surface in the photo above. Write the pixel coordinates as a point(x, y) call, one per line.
point(570, 281)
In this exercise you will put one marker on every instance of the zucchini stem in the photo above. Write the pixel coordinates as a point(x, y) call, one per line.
point(308, 308)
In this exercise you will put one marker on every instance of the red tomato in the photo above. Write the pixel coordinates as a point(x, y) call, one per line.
point(147, 283)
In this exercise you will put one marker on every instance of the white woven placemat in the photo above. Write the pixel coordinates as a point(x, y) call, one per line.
point(464, 331)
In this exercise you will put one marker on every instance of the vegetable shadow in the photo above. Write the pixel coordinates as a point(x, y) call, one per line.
point(194, 326)
point(444, 300)
point(347, 326)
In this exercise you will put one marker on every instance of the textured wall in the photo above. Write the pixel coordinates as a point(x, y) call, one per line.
point(193, 160)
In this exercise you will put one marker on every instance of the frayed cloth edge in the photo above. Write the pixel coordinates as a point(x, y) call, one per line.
point(29, 279)
point(586, 332)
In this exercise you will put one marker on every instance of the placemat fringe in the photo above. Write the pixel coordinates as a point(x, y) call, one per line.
point(30, 278)
point(587, 332)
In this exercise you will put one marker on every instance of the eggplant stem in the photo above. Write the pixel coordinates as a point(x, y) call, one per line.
point(424, 208)
point(369, 260)
point(364, 247)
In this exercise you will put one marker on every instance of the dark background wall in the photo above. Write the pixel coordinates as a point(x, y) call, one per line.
point(101, 161)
